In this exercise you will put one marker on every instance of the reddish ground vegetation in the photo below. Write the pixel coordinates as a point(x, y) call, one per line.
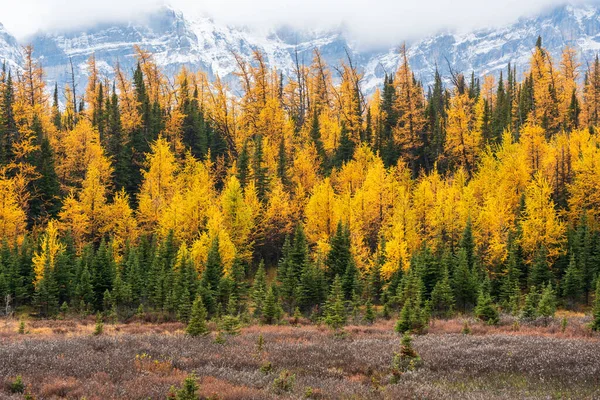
point(139, 360)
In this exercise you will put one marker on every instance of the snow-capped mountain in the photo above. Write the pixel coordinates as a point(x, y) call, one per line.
point(10, 51)
point(202, 43)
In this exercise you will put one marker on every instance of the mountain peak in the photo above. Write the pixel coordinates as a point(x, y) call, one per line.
point(200, 43)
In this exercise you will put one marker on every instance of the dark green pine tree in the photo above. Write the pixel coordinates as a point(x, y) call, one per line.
point(84, 290)
point(351, 280)
point(375, 282)
point(413, 317)
point(293, 264)
point(345, 150)
point(384, 141)
point(485, 309)
point(429, 268)
point(132, 275)
point(211, 277)
point(271, 310)
point(339, 255)
point(104, 270)
point(64, 274)
point(287, 287)
point(282, 161)
point(312, 288)
point(315, 136)
point(367, 136)
point(46, 293)
point(502, 107)
point(45, 189)
point(464, 282)
point(526, 97)
point(540, 271)
point(99, 114)
point(442, 297)
point(547, 304)
point(197, 325)
point(23, 268)
point(595, 325)
point(436, 115)
point(193, 134)
point(243, 166)
point(239, 288)
point(56, 115)
point(512, 273)
point(467, 242)
point(259, 170)
point(184, 290)
point(140, 139)
point(582, 249)
point(259, 290)
point(8, 125)
point(335, 308)
point(572, 283)
point(530, 306)
point(121, 294)
point(574, 112)
point(116, 147)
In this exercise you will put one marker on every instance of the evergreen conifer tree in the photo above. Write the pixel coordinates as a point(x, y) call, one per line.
point(197, 325)
point(335, 309)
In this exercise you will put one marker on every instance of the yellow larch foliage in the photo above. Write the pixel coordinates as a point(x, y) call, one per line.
point(322, 215)
point(568, 77)
point(50, 249)
point(533, 144)
point(158, 186)
point(91, 91)
point(120, 222)
point(373, 203)
point(238, 215)
point(350, 101)
point(84, 212)
point(12, 215)
point(501, 180)
point(585, 188)
point(401, 234)
point(129, 106)
point(78, 150)
point(409, 106)
point(304, 170)
point(463, 133)
point(186, 213)
point(153, 78)
point(590, 112)
point(540, 224)
point(215, 229)
point(279, 214)
point(545, 112)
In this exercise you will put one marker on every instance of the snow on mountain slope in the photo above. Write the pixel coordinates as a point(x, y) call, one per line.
point(175, 41)
point(10, 50)
point(202, 43)
point(490, 50)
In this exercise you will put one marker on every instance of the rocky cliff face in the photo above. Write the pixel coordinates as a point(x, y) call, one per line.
point(201, 43)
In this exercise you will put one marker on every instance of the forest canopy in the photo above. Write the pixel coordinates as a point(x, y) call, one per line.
point(154, 189)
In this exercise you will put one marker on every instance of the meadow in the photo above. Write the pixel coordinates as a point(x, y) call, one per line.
point(139, 360)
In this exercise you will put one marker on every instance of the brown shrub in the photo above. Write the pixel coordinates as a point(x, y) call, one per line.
point(59, 387)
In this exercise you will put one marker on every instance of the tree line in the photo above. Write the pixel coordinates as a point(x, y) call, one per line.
point(302, 196)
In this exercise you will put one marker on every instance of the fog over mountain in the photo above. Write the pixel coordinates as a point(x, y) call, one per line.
point(178, 36)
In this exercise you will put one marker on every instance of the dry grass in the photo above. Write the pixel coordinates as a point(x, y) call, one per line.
point(141, 360)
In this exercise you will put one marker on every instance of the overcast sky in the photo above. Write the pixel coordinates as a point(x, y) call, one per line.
point(371, 22)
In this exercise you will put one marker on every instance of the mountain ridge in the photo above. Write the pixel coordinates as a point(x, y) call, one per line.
point(204, 44)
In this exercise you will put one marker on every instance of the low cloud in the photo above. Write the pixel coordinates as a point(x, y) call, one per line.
point(371, 23)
